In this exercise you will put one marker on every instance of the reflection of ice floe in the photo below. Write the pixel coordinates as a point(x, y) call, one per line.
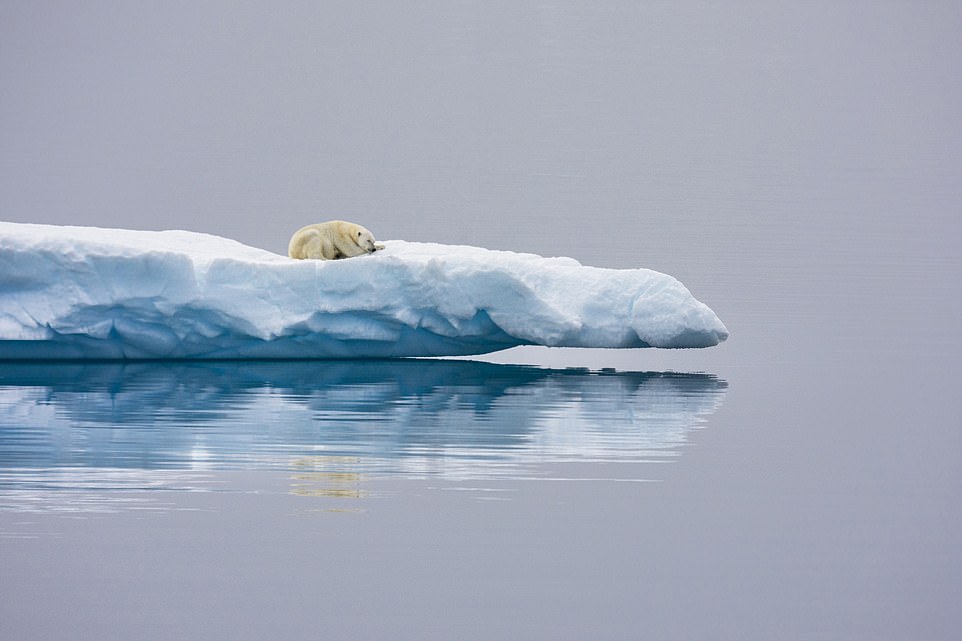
point(333, 422)
point(70, 490)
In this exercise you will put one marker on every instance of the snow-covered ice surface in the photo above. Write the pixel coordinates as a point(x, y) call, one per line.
point(86, 292)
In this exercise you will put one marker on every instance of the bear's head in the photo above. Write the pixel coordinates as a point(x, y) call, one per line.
point(364, 239)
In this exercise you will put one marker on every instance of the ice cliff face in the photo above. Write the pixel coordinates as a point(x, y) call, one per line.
point(84, 292)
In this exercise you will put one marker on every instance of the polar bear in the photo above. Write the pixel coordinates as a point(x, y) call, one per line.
point(330, 240)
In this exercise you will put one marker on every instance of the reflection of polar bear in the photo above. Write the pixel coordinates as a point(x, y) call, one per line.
point(330, 240)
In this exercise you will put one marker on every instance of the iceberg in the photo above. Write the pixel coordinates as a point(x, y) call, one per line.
point(89, 293)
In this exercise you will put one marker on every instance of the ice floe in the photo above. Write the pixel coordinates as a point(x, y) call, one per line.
point(85, 292)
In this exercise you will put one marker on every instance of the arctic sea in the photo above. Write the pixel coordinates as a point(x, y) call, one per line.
point(796, 166)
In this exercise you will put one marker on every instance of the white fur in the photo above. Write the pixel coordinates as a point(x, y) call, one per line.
point(330, 240)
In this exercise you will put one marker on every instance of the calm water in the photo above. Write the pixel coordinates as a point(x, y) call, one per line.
point(797, 165)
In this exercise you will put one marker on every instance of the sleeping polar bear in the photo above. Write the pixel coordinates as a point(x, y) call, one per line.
point(330, 240)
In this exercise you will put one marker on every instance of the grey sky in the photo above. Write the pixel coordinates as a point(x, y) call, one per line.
point(452, 122)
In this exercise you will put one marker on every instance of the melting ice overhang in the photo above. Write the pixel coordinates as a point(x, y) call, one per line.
point(86, 292)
